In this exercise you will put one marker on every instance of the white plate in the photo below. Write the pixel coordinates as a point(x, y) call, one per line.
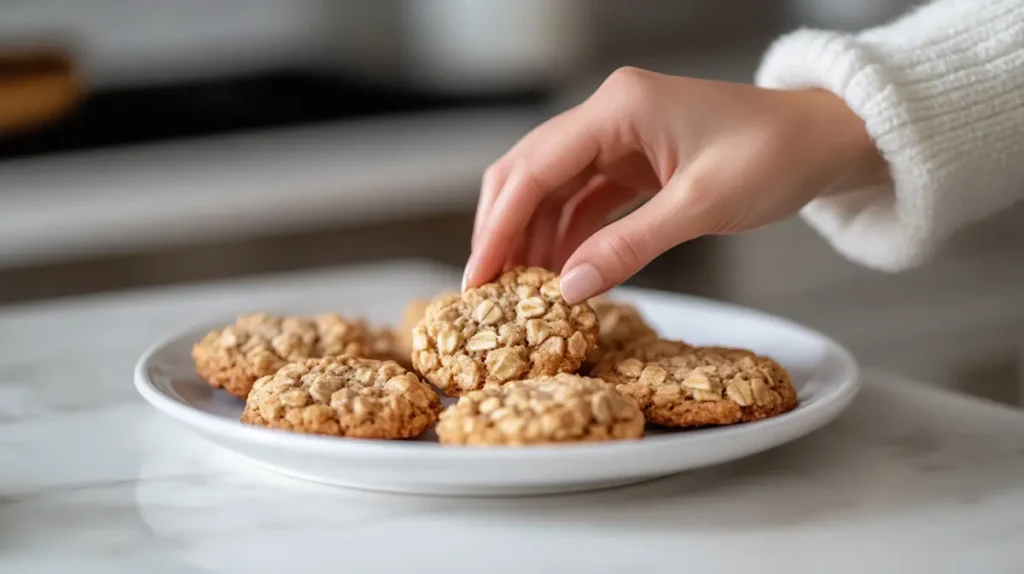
point(824, 373)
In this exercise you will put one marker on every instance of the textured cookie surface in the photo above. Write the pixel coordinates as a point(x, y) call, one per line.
point(620, 325)
point(344, 396)
point(517, 327)
point(414, 312)
point(556, 409)
point(681, 386)
point(259, 344)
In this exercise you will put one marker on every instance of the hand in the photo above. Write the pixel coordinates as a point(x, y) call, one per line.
point(709, 157)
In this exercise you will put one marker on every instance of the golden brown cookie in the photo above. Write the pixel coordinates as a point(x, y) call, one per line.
point(384, 345)
point(259, 344)
point(682, 386)
point(621, 325)
point(344, 396)
point(517, 327)
point(557, 409)
point(413, 314)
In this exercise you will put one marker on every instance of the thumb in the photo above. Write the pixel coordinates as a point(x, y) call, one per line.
point(620, 249)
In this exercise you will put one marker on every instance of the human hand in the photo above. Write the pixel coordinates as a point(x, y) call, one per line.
point(710, 158)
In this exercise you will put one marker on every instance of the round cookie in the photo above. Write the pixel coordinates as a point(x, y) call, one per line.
point(259, 344)
point(517, 327)
point(620, 326)
point(682, 386)
point(384, 345)
point(412, 315)
point(558, 409)
point(344, 396)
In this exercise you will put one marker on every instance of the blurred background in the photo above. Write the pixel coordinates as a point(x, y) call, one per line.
point(175, 141)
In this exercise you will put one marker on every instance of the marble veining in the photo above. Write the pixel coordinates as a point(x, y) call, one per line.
point(910, 479)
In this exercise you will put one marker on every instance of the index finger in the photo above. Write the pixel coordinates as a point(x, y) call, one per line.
point(551, 156)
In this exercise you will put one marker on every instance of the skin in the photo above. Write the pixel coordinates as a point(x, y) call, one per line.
point(703, 157)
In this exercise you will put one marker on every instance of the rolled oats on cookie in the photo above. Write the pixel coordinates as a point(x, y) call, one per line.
point(414, 312)
point(514, 328)
point(621, 325)
point(682, 386)
point(259, 344)
point(553, 409)
point(344, 396)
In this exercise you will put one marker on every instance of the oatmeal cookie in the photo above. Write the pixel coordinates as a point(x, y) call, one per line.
point(517, 327)
point(384, 345)
point(413, 314)
point(344, 396)
point(259, 344)
point(620, 325)
point(556, 409)
point(682, 386)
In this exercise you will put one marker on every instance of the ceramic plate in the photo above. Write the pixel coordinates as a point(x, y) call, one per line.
point(824, 373)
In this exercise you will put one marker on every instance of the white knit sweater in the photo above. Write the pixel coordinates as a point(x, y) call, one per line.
point(941, 91)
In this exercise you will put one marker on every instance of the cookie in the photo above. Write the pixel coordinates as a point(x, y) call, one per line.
point(412, 315)
point(384, 345)
point(620, 325)
point(517, 327)
point(682, 386)
point(259, 344)
point(344, 396)
point(557, 409)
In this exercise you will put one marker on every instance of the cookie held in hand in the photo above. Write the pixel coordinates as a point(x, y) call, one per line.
point(414, 312)
point(517, 327)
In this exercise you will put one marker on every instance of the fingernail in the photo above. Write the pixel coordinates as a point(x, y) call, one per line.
point(580, 283)
point(466, 271)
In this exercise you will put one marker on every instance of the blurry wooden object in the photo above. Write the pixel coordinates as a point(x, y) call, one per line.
point(37, 86)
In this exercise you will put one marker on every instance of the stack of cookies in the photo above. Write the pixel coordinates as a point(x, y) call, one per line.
point(527, 368)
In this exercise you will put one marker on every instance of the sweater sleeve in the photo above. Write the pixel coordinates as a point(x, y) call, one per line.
point(941, 91)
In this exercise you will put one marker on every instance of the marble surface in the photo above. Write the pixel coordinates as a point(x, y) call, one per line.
point(910, 479)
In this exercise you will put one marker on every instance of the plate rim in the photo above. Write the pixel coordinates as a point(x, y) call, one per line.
point(814, 416)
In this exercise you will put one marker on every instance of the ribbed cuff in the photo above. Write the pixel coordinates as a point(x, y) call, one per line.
point(890, 227)
point(941, 92)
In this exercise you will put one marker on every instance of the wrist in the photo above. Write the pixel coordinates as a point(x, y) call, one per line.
point(850, 160)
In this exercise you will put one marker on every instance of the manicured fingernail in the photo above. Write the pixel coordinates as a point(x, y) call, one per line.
point(466, 272)
point(580, 283)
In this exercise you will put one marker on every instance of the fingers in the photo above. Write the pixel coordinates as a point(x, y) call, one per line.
point(560, 154)
point(622, 248)
point(517, 254)
point(494, 178)
point(593, 208)
point(556, 158)
point(543, 232)
point(496, 175)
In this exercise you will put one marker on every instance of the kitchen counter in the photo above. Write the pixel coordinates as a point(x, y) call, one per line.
point(910, 479)
point(274, 181)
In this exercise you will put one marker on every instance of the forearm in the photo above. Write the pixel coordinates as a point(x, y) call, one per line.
point(941, 95)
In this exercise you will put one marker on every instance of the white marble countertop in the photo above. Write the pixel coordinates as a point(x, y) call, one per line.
point(910, 479)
